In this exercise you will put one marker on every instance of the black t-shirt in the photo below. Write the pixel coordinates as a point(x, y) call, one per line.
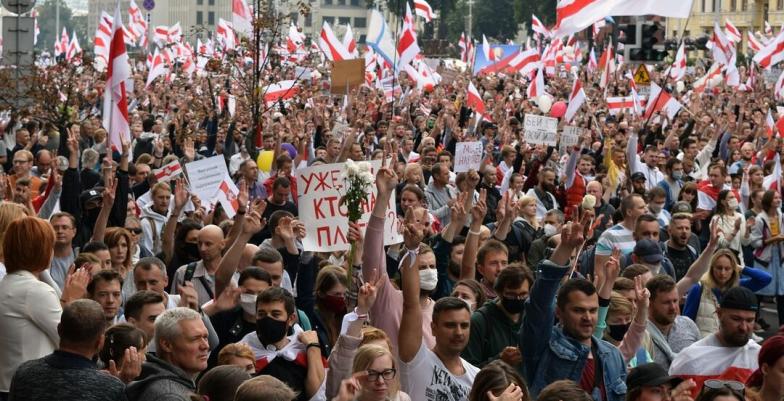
point(289, 206)
point(681, 260)
point(231, 327)
point(291, 373)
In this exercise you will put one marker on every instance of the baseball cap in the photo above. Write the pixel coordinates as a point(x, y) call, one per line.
point(740, 298)
point(650, 375)
point(638, 176)
point(648, 250)
point(681, 208)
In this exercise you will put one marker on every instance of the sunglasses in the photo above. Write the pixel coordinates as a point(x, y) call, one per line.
point(136, 231)
point(733, 385)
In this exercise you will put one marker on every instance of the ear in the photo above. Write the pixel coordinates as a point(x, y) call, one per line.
point(558, 313)
point(292, 319)
point(101, 340)
point(165, 346)
point(764, 368)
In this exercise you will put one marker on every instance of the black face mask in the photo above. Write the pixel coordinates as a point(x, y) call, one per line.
point(617, 331)
point(191, 251)
point(270, 330)
point(513, 305)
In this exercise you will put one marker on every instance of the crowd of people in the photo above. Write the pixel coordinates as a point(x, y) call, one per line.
point(630, 266)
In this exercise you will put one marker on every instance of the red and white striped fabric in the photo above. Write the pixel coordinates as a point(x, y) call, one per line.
point(772, 53)
point(168, 172)
point(241, 17)
point(637, 105)
point(103, 35)
point(73, 48)
point(137, 22)
point(224, 31)
point(660, 99)
point(227, 197)
point(158, 67)
point(61, 46)
point(706, 81)
point(733, 34)
point(607, 65)
point(576, 100)
point(754, 43)
point(524, 62)
point(616, 105)
point(706, 359)
point(331, 46)
point(115, 100)
point(422, 9)
point(678, 67)
point(575, 15)
point(769, 125)
point(407, 46)
point(536, 87)
point(771, 181)
point(463, 48)
point(722, 47)
point(486, 50)
point(707, 195)
point(778, 89)
point(350, 43)
point(474, 101)
point(167, 34)
point(538, 27)
point(592, 63)
point(36, 28)
point(768, 29)
point(282, 90)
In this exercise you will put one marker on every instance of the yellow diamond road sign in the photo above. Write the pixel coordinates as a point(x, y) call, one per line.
point(641, 76)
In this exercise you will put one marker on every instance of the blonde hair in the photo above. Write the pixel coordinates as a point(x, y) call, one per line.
point(371, 334)
point(366, 355)
point(9, 212)
point(707, 279)
point(620, 305)
point(235, 350)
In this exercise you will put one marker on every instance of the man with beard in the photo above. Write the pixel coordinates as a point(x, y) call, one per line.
point(730, 353)
point(543, 192)
point(670, 332)
point(678, 250)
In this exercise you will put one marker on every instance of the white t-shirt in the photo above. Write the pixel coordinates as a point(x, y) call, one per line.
point(426, 378)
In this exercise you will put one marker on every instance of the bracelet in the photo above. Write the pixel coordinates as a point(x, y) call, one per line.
point(474, 232)
point(317, 345)
point(362, 317)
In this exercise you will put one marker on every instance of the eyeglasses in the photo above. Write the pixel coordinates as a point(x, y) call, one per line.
point(386, 374)
point(136, 230)
point(733, 385)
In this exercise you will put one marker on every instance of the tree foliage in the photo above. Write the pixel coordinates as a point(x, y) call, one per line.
point(543, 9)
point(47, 22)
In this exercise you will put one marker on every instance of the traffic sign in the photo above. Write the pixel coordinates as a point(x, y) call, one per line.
point(641, 76)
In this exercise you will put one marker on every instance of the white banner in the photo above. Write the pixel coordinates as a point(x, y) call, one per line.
point(205, 176)
point(326, 221)
point(540, 130)
point(570, 136)
point(468, 156)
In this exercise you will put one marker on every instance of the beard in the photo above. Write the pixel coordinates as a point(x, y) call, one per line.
point(663, 320)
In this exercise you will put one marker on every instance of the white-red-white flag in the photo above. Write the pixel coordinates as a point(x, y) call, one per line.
point(36, 28)
point(157, 68)
point(525, 62)
point(607, 65)
point(282, 90)
point(61, 46)
point(778, 89)
point(733, 34)
point(722, 47)
point(474, 100)
point(659, 100)
point(637, 109)
point(538, 27)
point(227, 197)
point(168, 172)
point(115, 100)
point(575, 15)
point(678, 67)
point(331, 46)
point(768, 29)
point(487, 50)
point(772, 53)
point(224, 31)
point(167, 34)
point(407, 46)
point(592, 63)
point(463, 47)
point(576, 100)
point(73, 48)
point(616, 105)
point(753, 42)
point(771, 181)
point(536, 86)
point(349, 42)
point(423, 9)
point(241, 17)
point(707, 80)
point(703, 361)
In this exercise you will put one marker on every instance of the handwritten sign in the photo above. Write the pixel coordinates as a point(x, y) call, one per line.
point(540, 129)
point(326, 221)
point(570, 136)
point(206, 175)
point(468, 156)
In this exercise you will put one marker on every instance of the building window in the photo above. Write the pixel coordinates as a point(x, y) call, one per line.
point(211, 18)
point(344, 20)
point(329, 20)
point(733, 5)
point(703, 6)
point(360, 22)
point(327, 2)
point(199, 2)
point(341, 2)
point(211, 2)
point(716, 5)
point(199, 18)
point(309, 19)
point(355, 3)
point(779, 4)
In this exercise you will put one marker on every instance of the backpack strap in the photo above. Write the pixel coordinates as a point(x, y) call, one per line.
point(156, 245)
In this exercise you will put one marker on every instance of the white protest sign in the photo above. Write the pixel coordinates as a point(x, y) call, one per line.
point(206, 175)
point(326, 223)
point(570, 136)
point(468, 156)
point(540, 129)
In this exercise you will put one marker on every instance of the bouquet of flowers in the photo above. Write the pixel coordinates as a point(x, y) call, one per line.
point(358, 180)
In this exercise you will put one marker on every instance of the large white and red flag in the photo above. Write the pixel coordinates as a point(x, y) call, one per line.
point(538, 27)
point(474, 100)
point(463, 47)
point(733, 34)
point(722, 48)
point(73, 48)
point(241, 17)
point(158, 67)
point(576, 100)
point(224, 31)
point(168, 172)
point(350, 43)
point(772, 180)
point(772, 53)
point(524, 62)
point(103, 35)
point(61, 46)
point(708, 359)
point(754, 43)
point(536, 86)
point(487, 50)
point(707, 80)
point(407, 46)
point(282, 90)
point(115, 100)
point(660, 99)
point(607, 65)
point(331, 46)
point(678, 67)
point(592, 63)
point(164, 35)
point(227, 197)
point(626, 104)
point(575, 15)
point(136, 22)
point(423, 9)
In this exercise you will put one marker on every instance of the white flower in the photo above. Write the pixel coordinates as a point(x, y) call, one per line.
point(367, 177)
point(351, 168)
point(364, 167)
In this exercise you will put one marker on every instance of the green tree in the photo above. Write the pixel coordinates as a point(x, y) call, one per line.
point(487, 20)
point(47, 22)
point(544, 10)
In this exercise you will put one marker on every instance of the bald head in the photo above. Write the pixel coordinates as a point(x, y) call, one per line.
point(594, 188)
point(247, 255)
point(211, 243)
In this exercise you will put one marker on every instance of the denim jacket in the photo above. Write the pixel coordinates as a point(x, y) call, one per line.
point(550, 355)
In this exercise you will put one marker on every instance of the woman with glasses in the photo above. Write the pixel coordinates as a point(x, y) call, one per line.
point(374, 378)
point(134, 227)
point(722, 390)
point(767, 382)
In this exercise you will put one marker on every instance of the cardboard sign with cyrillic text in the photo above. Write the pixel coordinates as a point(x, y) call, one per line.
point(326, 220)
point(540, 130)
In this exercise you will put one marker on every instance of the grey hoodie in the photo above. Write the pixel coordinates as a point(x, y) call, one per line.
point(160, 380)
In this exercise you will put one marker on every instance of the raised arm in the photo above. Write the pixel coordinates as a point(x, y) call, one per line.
point(107, 201)
point(228, 264)
point(169, 228)
point(373, 258)
point(410, 338)
point(478, 212)
point(702, 264)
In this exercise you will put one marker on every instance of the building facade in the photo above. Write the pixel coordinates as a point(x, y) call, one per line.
point(746, 15)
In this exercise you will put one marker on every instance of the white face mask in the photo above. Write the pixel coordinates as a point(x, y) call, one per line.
point(655, 208)
point(428, 279)
point(248, 303)
point(550, 230)
point(732, 203)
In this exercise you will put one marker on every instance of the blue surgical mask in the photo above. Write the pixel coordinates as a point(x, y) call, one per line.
point(677, 175)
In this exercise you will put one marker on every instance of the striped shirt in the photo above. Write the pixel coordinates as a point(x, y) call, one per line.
point(615, 236)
